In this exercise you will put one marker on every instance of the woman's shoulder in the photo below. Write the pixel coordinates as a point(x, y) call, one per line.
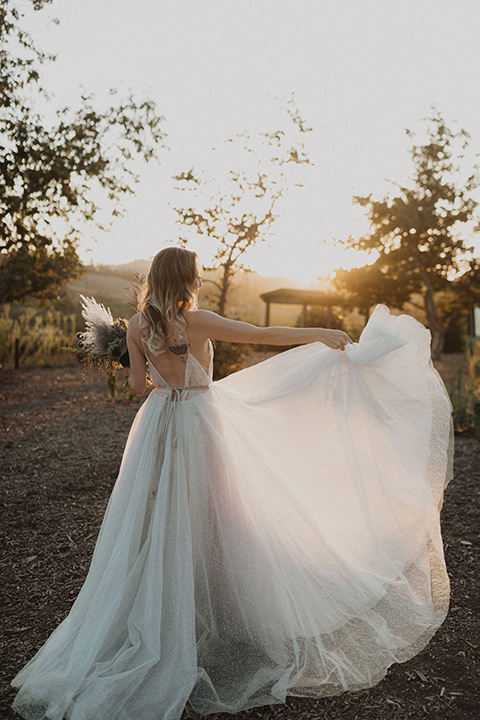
point(197, 317)
point(201, 320)
point(134, 324)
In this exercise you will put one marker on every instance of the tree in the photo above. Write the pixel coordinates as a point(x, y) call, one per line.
point(365, 287)
point(238, 215)
point(47, 170)
point(417, 235)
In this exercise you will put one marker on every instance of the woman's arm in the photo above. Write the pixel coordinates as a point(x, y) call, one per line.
point(220, 328)
point(137, 372)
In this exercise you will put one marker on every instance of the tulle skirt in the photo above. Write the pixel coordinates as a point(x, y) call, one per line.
point(275, 534)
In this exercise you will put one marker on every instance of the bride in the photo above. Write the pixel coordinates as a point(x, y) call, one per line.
point(273, 533)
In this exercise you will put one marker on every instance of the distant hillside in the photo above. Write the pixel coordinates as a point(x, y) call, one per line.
point(112, 285)
point(127, 270)
point(104, 287)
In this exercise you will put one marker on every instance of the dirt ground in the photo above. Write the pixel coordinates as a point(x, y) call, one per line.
point(61, 444)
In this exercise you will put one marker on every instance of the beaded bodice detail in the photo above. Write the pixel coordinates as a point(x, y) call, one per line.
point(197, 379)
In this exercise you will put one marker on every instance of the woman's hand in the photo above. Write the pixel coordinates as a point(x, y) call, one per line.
point(335, 339)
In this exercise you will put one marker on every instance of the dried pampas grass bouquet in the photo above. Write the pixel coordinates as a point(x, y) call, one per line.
point(104, 341)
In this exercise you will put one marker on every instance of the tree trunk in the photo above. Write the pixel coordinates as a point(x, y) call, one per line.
point(225, 284)
point(436, 328)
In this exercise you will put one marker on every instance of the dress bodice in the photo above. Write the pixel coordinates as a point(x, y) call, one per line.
point(197, 379)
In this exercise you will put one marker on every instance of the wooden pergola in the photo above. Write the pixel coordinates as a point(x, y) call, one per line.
point(304, 298)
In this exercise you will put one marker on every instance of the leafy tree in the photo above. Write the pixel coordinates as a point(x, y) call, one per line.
point(365, 287)
point(47, 170)
point(238, 213)
point(417, 236)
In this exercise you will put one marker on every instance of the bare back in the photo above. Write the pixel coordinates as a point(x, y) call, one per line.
point(171, 364)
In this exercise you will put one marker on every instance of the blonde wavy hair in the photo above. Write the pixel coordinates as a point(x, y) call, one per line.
point(166, 296)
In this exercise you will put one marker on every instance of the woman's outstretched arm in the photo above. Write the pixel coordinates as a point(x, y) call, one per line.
point(219, 328)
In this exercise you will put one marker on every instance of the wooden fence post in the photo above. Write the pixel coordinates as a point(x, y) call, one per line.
point(17, 353)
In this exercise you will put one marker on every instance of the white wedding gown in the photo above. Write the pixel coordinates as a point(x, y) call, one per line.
point(274, 533)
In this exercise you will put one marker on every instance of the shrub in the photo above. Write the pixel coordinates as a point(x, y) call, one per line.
point(229, 357)
point(39, 332)
point(464, 392)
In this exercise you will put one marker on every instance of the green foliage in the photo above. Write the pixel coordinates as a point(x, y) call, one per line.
point(18, 69)
point(110, 368)
point(229, 358)
point(367, 286)
point(237, 211)
point(47, 170)
point(112, 382)
point(323, 317)
point(464, 391)
point(476, 418)
point(39, 272)
point(456, 335)
point(461, 397)
point(415, 229)
point(41, 334)
point(417, 237)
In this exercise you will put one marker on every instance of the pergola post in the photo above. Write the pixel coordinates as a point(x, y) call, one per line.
point(304, 298)
point(303, 317)
point(267, 314)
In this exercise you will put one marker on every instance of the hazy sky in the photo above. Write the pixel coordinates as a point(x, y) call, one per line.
point(362, 71)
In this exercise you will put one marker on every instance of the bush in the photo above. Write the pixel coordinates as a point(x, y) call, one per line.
point(323, 318)
point(456, 336)
point(229, 357)
point(39, 332)
point(464, 391)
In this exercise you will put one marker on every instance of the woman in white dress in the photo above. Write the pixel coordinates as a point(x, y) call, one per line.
point(273, 533)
